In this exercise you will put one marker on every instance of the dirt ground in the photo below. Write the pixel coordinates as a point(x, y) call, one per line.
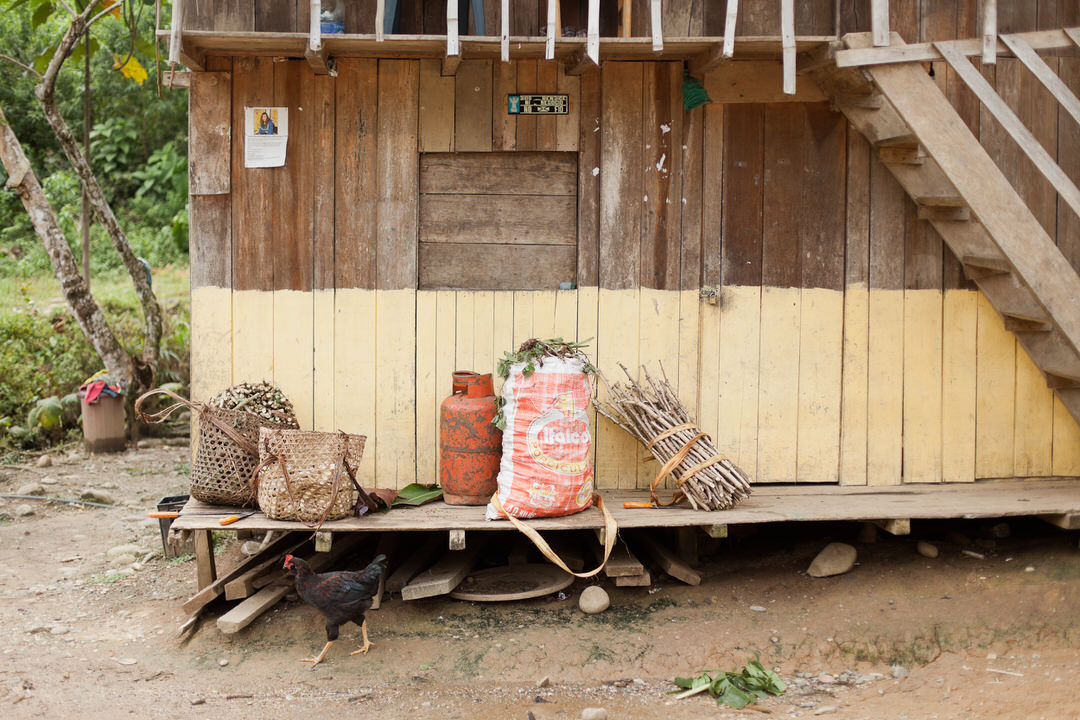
point(994, 633)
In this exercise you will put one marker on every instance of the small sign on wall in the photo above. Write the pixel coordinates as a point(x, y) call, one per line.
point(266, 136)
point(538, 104)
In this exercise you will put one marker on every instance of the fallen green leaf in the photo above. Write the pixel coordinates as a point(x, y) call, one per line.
point(416, 494)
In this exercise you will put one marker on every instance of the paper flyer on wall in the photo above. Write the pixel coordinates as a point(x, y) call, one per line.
point(266, 136)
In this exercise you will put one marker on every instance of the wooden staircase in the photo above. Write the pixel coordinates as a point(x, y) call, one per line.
point(969, 201)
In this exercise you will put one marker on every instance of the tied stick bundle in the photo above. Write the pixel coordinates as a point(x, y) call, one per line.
point(654, 415)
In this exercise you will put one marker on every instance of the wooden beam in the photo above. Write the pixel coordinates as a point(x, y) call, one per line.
point(314, 27)
point(504, 31)
point(902, 155)
point(552, 29)
point(380, 20)
point(248, 582)
point(450, 64)
point(866, 101)
point(319, 61)
point(1012, 124)
point(324, 540)
point(211, 591)
point(879, 22)
point(245, 613)
point(176, 32)
point(642, 580)
point(716, 531)
point(592, 39)
point(669, 562)
point(457, 539)
point(998, 264)
point(895, 526)
point(939, 200)
point(926, 52)
point(621, 563)
point(945, 213)
point(1073, 34)
point(1016, 325)
point(416, 562)
point(177, 80)
point(205, 570)
point(655, 25)
point(1044, 73)
point(580, 63)
point(1060, 382)
point(453, 42)
point(708, 61)
point(787, 42)
point(444, 575)
point(1065, 521)
point(625, 10)
point(729, 27)
point(989, 33)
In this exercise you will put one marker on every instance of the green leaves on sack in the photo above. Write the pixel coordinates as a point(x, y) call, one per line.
point(737, 689)
point(532, 352)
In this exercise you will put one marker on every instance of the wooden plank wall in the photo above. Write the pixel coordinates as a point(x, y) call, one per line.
point(838, 341)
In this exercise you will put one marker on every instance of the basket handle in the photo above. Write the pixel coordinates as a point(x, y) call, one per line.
point(162, 415)
point(611, 530)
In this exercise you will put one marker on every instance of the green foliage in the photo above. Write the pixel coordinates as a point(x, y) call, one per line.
point(737, 689)
point(532, 352)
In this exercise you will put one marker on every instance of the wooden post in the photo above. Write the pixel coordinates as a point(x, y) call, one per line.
point(656, 26)
point(453, 43)
point(552, 26)
point(205, 571)
point(457, 539)
point(624, 22)
point(787, 37)
point(592, 42)
point(175, 30)
point(729, 27)
point(504, 32)
point(989, 34)
point(879, 22)
point(315, 27)
point(324, 540)
point(380, 20)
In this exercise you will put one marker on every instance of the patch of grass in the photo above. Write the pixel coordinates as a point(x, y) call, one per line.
point(179, 560)
point(469, 663)
point(598, 653)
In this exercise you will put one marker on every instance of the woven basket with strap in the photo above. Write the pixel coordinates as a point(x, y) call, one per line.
point(302, 475)
point(227, 451)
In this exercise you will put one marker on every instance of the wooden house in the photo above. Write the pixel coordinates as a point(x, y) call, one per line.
point(857, 262)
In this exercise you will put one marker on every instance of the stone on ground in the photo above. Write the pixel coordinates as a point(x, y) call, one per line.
point(593, 600)
point(834, 559)
point(927, 550)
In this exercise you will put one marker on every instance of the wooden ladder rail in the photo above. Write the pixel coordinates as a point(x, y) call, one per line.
point(944, 168)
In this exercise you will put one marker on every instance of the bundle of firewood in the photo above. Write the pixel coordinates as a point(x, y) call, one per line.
point(653, 413)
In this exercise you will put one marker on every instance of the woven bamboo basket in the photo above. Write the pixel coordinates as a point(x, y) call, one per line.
point(227, 452)
point(308, 476)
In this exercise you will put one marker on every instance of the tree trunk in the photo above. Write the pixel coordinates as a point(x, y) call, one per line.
point(86, 310)
point(145, 370)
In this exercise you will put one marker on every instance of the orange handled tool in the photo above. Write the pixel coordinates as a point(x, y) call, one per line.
point(233, 518)
point(637, 505)
point(163, 515)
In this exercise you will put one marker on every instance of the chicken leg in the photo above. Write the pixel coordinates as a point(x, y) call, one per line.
point(367, 643)
point(316, 660)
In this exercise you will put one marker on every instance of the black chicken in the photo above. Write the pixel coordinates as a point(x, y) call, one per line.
point(340, 596)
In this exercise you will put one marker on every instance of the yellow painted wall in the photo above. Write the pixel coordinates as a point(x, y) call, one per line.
point(870, 386)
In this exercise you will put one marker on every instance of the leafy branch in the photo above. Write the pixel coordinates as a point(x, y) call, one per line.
point(737, 689)
point(532, 353)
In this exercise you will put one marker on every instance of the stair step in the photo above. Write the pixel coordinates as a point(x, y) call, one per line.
point(1059, 382)
point(945, 213)
point(1018, 325)
point(1050, 352)
point(935, 200)
point(865, 101)
point(897, 140)
point(998, 264)
point(902, 155)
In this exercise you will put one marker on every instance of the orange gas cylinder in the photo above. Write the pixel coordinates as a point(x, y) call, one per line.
point(470, 446)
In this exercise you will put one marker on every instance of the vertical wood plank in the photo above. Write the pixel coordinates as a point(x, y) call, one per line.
point(568, 127)
point(472, 108)
point(398, 171)
point(922, 385)
point(323, 248)
point(523, 318)
point(712, 186)
point(589, 144)
point(445, 350)
point(210, 142)
point(1066, 441)
point(253, 188)
point(502, 338)
point(355, 170)
point(564, 323)
point(211, 341)
point(464, 340)
point(436, 108)
point(427, 387)
point(738, 397)
point(853, 411)
point(526, 124)
point(503, 124)
point(995, 394)
point(395, 378)
point(1032, 454)
point(658, 352)
point(354, 372)
point(662, 157)
point(543, 323)
point(709, 359)
point(743, 184)
point(690, 197)
point(483, 332)
point(689, 349)
point(885, 363)
point(621, 189)
point(617, 452)
point(587, 308)
point(547, 81)
point(960, 315)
